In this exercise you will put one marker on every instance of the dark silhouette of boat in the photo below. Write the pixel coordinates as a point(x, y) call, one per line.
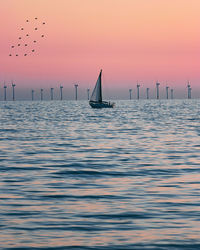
point(96, 97)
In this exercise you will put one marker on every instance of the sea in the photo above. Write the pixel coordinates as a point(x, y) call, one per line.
point(73, 177)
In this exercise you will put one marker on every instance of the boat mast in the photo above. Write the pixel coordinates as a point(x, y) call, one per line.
point(100, 88)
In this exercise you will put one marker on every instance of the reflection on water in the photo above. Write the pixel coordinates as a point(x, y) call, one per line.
point(122, 178)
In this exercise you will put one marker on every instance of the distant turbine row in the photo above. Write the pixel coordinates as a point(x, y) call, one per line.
point(157, 92)
point(189, 92)
point(51, 94)
point(61, 93)
point(41, 92)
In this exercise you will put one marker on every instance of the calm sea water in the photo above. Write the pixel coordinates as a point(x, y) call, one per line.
point(72, 177)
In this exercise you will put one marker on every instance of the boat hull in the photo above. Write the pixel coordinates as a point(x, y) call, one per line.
point(100, 105)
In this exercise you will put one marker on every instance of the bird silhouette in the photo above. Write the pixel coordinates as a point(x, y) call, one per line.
point(23, 43)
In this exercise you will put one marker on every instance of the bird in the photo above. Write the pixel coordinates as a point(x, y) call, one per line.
point(20, 37)
point(43, 23)
point(12, 46)
point(22, 28)
point(25, 54)
point(34, 41)
point(33, 50)
point(16, 54)
point(10, 55)
point(25, 44)
point(35, 18)
point(27, 34)
point(18, 44)
point(42, 35)
point(36, 28)
point(27, 21)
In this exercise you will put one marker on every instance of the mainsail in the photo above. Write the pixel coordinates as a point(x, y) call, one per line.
point(97, 92)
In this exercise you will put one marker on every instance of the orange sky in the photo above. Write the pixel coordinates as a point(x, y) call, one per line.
point(145, 40)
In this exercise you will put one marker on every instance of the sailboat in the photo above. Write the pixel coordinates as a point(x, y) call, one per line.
point(96, 97)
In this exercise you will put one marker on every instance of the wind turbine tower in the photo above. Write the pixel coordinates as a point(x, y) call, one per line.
point(172, 94)
point(5, 94)
point(52, 94)
point(76, 91)
point(41, 94)
point(13, 91)
point(32, 94)
point(61, 93)
point(88, 94)
point(157, 90)
point(190, 93)
point(147, 93)
point(167, 92)
point(138, 91)
point(189, 90)
point(130, 93)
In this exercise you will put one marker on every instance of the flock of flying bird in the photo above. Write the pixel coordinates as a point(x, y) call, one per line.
point(27, 41)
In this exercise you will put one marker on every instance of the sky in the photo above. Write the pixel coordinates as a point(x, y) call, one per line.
point(131, 40)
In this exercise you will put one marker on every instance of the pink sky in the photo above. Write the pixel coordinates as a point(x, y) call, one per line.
point(144, 40)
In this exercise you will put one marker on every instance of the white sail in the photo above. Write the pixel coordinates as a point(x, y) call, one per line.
point(97, 92)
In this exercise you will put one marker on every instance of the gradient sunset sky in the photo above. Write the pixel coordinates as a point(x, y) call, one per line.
point(144, 40)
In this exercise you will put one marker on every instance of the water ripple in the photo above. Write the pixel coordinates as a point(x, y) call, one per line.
point(77, 178)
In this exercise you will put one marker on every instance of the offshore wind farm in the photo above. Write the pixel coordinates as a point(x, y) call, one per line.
point(99, 131)
point(131, 93)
